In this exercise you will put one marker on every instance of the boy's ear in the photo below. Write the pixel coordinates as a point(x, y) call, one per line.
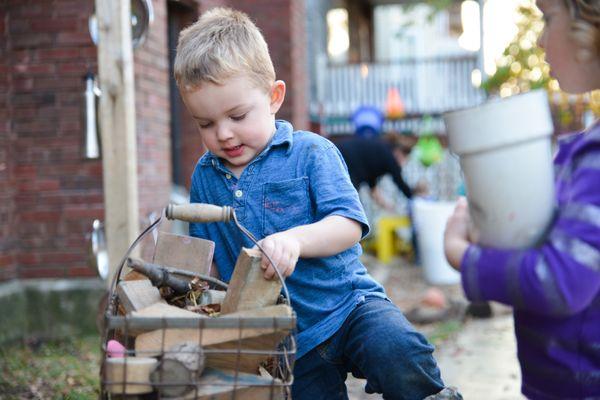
point(277, 96)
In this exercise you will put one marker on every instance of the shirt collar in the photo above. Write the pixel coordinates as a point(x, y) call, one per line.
point(283, 136)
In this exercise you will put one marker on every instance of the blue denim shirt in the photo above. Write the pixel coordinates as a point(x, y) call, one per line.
point(298, 179)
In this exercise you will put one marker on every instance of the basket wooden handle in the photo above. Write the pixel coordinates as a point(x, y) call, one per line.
point(199, 212)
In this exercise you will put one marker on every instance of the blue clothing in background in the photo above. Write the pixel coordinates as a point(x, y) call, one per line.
point(298, 179)
point(554, 288)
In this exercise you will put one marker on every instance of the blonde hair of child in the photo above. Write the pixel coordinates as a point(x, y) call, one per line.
point(585, 28)
point(223, 43)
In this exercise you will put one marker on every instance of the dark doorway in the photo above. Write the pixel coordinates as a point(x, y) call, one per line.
point(185, 143)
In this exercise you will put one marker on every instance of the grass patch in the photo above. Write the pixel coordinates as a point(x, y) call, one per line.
point(66, 369)
point(444, 330)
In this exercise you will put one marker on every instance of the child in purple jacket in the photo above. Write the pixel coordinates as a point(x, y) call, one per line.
point(555, 287)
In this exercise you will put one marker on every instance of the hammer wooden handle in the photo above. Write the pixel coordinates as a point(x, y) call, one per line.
point(199, 212)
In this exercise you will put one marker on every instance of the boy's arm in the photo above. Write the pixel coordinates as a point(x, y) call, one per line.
point(328, 237)
point(324, 238)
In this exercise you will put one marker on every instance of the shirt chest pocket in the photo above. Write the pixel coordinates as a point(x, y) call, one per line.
point(285, 204)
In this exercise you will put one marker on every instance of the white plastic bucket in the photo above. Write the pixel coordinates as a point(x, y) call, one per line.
point(506, 157)
point(429, 218)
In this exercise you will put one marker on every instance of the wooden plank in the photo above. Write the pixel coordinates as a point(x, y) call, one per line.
point(165, 310)
point(225, 385)
point(134, 276)
point(245, 362)
point(151, 343)
point(184, 252)
point(117, 128)
point(129, 375)
point(212, 296)
point(137, 294)
point(160, 310)
point(248, 288)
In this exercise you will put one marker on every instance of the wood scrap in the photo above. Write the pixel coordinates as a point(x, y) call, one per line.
point(248, 288)
point(185, 252)
point(137, 294)
point(212, 296)
point(129, 375)
point(133, 276)
point(161, 310)
point(246, 362)
point(151, 343)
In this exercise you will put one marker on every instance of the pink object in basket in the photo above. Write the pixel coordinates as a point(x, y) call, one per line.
point(115, 349)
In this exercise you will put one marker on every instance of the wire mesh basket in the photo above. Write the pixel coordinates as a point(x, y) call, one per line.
point(165, 352)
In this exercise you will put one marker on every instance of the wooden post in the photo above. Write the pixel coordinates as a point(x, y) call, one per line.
point(117, 125)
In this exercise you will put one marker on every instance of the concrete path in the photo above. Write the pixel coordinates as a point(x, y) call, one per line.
point(482, 362)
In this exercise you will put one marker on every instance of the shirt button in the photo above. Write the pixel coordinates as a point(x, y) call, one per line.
point(228, 176)
point(238, 193)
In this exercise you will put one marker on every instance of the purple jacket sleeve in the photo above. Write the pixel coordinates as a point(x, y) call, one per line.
point(560, 277)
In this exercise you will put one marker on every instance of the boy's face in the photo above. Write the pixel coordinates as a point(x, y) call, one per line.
point(236, 120)
point(572, 75)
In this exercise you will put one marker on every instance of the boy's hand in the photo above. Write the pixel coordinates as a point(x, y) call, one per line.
point(284, 250)
point(456, 236)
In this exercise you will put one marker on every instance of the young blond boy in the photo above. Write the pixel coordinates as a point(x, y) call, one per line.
point(292, 190)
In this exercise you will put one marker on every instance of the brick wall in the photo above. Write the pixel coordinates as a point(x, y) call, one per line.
point(56, 192)
point(153, 117)
point(50, 194)
point(46, 51)
point(7, 241)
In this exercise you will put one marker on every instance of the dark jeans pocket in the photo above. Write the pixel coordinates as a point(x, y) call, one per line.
point(328, 350)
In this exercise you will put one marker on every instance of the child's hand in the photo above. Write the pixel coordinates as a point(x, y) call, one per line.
point(284, 250)
point(456, 236)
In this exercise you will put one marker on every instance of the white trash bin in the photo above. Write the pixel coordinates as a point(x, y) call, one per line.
point(430, 219)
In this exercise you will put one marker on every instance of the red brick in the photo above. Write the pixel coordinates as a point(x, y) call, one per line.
point(58, 53)
point(53, 25)
point(81, 272)
point(6, 260)
point(40, 216)
point(42, 272)
point(62, 258)
point(78, 213)
point(28, 259)
point(73, 38)
point(26, 171)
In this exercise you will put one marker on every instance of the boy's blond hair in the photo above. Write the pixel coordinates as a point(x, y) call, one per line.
point(223, 43)
point(585, 28)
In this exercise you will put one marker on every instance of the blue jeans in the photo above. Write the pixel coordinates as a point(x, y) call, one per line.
point(375, 343)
